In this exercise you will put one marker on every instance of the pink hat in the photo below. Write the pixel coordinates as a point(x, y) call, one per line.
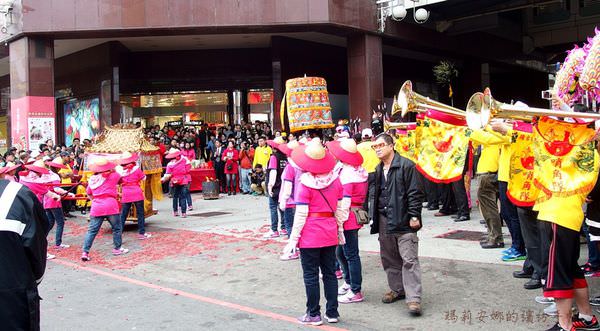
point(128, 158)
point(101, 165)
point(276, 142)
point(173, 153)
point(345, 151)
point(57, 163)
point(39, 167)
point(289, 147)
point(313, 158)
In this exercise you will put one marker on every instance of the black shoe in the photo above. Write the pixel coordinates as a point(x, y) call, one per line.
point(234, 192)
point(228, 193)
point(488, 245)
point(433, 207)
point(481, 221)
point(581, 324)
point(521, 274)
point(462, 219)
point(533, 284)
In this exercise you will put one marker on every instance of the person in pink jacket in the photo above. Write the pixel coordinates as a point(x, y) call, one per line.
point(8, 171)
point(53, 206)
point(102, 190)
point(32, 178)
point(318, 228)
point(231, 157)
point(188, 151)
point(353, 178)
point(177, 172)
point(131, 192)
point(290, 178)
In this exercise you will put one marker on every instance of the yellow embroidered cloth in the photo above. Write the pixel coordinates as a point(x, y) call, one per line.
point(307, 104)
point(521, 190)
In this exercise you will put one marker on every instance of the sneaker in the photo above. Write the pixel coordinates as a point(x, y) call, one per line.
point(175, 214)
point(183, 215)
point(310, 320)
point(50, 256)
point(332, 319)
point(593, 274)
point(290, 256)
point(283, 232)
point(271, 234)
point(508, 251)
point(595, 301)
point(85, 256)
point(343, 289)
point(551, 310)
point(144, 236)
point(543, 300)
point(62, 246)
point(514, 257)
point(120, 251)
point(581, 324)
point(557, 327)
point(351, 297)
point(190, 208)
point(339, 274)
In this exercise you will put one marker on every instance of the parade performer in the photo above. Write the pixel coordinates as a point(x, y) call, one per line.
point(318, 228)
point(23, 249)
point(102, 190)
point(53, 207)
point(290, 179)
point(276, 164)
point(32, 178)
point(353, 178)
point(8, 171)
point(131, 192)
point(177, 173)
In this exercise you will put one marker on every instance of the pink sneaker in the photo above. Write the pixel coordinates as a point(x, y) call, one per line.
point(183, 215)
point(175, 213)
point(144, 236)
point(292, 256)
point(120, 251)
point(190, 208)
point(351, 297)
point(283, 232)
point(271, 234)
point(339, 274)
point(85, 256)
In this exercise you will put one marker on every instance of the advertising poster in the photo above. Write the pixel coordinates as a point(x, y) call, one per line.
point(40, 129)
point(35, 108)
point(3, 134)
point(81, 119)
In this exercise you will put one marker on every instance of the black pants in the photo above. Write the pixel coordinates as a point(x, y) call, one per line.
point(20, 309)
point(460, 196)
point(447, 199)
point(535, 234)
point(432, 191)
point(312, 259)
point(220, 173)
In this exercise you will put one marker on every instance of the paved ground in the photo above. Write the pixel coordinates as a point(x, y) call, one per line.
point(217, 273)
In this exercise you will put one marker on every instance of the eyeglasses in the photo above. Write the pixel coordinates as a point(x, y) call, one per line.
point(379, 146)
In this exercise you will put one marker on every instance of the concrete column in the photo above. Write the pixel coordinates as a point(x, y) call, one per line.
point(32, 114)
point(365, 76)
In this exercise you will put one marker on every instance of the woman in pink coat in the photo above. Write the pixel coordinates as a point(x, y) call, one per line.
point(53, 206)
point(354, 182)
point(317, 228)
point(131, 192)
point(102, 190)
point(178, 170)
point(188, 151)
point(231, 157)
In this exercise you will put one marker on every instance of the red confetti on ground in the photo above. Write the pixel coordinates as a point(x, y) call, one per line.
point(162, 245)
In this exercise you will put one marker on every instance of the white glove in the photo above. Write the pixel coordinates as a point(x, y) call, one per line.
point(53, 195)
point(72, 195)
point(290, 248)
point(341, 237)
point(282, 206)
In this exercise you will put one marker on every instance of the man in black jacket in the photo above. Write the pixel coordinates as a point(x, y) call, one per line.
point(395, 202)
point(22, 256)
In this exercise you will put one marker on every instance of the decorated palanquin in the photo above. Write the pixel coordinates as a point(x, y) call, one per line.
point(115, 141)
point(406, 143)
point(521, 189)
point(565, 170)
point(307, 104)
point(442, 142)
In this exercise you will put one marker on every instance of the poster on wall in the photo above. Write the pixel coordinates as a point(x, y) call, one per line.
point(39, 129)
point(81, 119)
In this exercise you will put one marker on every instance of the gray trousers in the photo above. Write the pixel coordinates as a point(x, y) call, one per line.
point(400, 260)
point(488, 203)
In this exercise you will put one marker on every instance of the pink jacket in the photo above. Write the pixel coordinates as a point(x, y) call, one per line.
point(103, 191)
point(49, 202)
point(179, 171)
point(35, 184)
point(189, 153)
point(130, 184)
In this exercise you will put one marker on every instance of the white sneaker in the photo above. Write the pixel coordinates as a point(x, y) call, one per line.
point(271, 234)
point(50, 256)
point(332, 319)
point(344, 289)
point(62, 246)
point(551, 310)
point(120, 251)
point(543, 300)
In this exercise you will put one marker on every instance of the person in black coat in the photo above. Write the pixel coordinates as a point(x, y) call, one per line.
point(23, 248)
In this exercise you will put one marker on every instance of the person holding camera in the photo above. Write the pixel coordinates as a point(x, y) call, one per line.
point(231, 157)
